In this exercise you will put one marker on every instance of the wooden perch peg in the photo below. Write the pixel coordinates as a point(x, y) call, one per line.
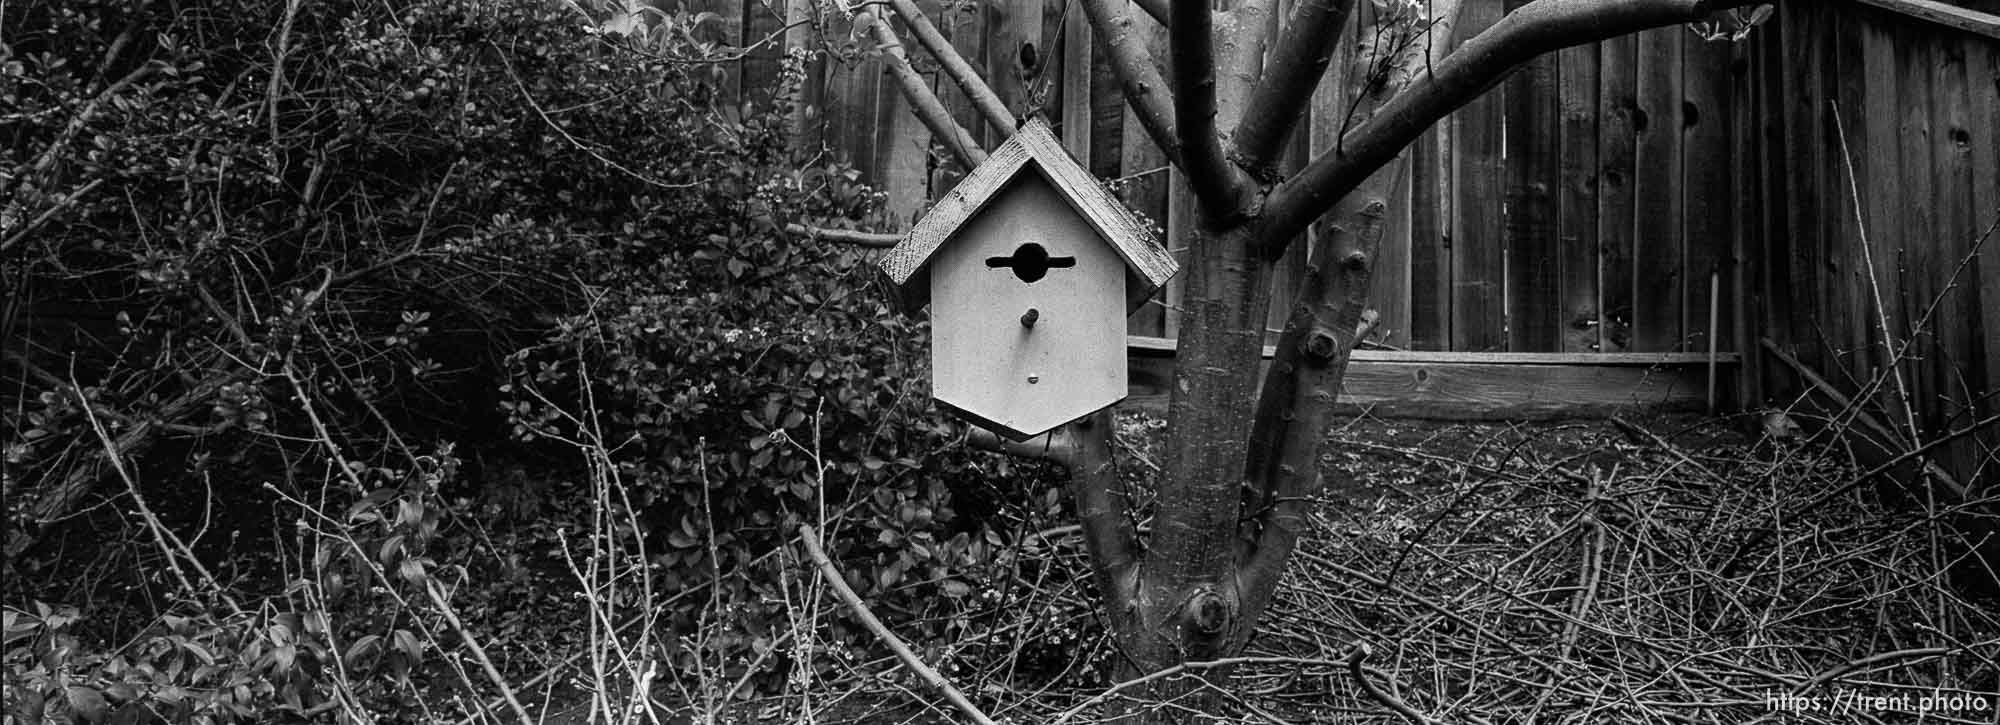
point(1028, 318)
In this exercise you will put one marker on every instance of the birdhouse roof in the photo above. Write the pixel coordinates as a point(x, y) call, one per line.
point(1034, 148)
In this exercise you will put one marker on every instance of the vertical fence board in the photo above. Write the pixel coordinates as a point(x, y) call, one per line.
point(965, 26)
point(902, 153)
point(1576, 199)
point(1956, 320)
point(1014, 47)
point(1533, 128)
point(1843, 141)
point(1657, 191)
point(1077, 91)
point(763, 28)
point(808, 129)
point(1709, 202)
point(1983, 65)
point(1430, 283)
point(1478, 317)
point(1745, 239)
point(1916, 240)
point(1618, 106)
point(1884, 207)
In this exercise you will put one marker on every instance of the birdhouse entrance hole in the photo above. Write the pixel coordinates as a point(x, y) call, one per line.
point(1031, 262)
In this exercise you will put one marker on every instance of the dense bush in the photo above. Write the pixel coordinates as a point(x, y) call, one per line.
point(345, 285)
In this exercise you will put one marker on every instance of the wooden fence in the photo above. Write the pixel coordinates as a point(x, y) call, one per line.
point(1874, 174)
point(1653, 193)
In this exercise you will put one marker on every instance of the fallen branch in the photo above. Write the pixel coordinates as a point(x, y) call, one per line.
point(1874, 426)
point(1376, 693)
point(930, 676)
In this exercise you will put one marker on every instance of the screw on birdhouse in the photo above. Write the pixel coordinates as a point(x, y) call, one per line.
point(1032, 379)
point(1028, 318)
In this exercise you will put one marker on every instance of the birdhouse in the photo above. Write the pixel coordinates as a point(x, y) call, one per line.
point(1030, 268)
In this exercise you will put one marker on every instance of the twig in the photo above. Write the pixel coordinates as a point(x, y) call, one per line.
point(1376, 693)
point(43, 218)
point(580, 146)
point(478, 652)
point(1838, 670)
point(930, 676)
point(873, 240)
point(1182, 668)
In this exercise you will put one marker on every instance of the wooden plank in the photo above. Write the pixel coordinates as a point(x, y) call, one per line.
point(1076, 90)
point(1744, 237)
point(1618, 106)
point(1449, 391)
point(1392, 281)
point(1107, 116)
point(1576, 198)
point(1805, 212)
point(1147, 346)
point(1014, 50)
point(1533, 134)
point(1709, 202)
point(1478, 317)
point(1917, 236)
point(1955, 366)
point(1430, 260)
point(1848, 329)
point(1983, 63)
point(808, 130)
point(1657, 194)
point(764, 28)
point(902, 155)
point(965, 26)
point(1878, 175)
point(1966, 19)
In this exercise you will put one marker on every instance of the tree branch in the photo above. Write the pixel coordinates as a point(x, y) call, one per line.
point(1296, 405)
point(1475, 66)
point(930, 676)
point(1304, 50)
point(924, 102)
point(1145, 90)
point(873, 240)
point(1218, 185)
point(967, 78)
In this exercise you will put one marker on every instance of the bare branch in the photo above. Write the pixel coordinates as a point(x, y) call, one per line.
point(924, 102)
point(1303, 52)
point(1475, 66)
point(1296, 404)
point(962, 73)
point(881, 631)
point(873, 240)
point(1145, 90)
point(1220, 187)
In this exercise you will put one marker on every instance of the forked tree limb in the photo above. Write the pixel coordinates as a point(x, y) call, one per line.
point(1218, 185)
point(846, 593)
point(962, 74)
point(1437, 90)
point(924, 102)
point(1299, 60)
point(1139, 78)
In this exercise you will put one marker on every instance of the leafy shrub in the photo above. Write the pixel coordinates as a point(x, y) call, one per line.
point(346, 267)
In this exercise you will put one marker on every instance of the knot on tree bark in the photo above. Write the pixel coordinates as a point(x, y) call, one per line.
point(1355, 261)
point(1320, 346)
point(1208, 612)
